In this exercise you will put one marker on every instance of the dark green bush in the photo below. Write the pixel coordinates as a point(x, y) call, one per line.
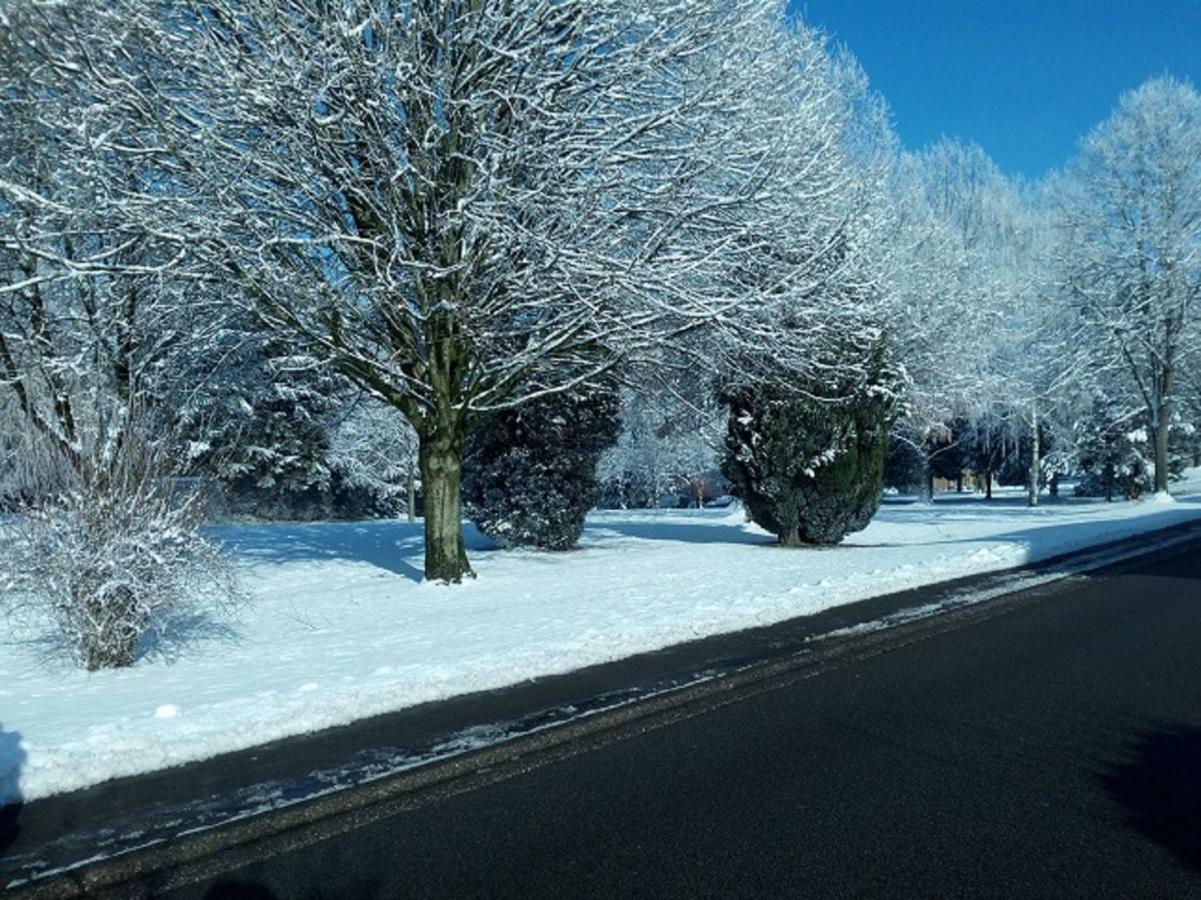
point(810, 469)
point(530, 474)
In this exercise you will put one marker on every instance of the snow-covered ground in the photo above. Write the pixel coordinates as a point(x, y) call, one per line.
point(341, 627)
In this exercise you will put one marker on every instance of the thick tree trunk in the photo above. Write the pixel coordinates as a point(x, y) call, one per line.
point(1032, 473)
point(988, 485)
point(959, 483)
point(1161, 450)
point(441, 461)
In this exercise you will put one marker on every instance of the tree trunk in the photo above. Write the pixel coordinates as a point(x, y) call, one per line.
point(988, 485)
point(411, 502)
point(928, 485)
point(959, 483)
point(791, 538)
point(1161, 450)
point(441, 462)
point(1032, 474)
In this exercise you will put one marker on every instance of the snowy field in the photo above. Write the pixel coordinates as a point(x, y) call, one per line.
point(340, 626)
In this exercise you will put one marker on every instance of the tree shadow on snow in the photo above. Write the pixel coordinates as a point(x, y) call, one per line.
point(1044, 537)
point(974, 506)
point(47, 645)
point(682, 532)
point(167, 643)
point(12, 758)
point(387, 545)
point(1158, 787)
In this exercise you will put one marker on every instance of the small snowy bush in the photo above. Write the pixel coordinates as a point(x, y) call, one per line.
point(113, 553)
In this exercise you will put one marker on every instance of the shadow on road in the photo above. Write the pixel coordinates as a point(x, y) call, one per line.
point(234, 889)
point(12, 757)
point(1159, 790)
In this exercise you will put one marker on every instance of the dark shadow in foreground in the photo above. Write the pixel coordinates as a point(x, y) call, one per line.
point(234, 889)
point(12, 757)
point(1159, 789)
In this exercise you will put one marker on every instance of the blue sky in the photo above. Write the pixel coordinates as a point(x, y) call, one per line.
point(1022, 78)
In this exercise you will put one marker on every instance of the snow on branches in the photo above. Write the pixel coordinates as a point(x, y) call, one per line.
point(1131, 212)
point(468, 205)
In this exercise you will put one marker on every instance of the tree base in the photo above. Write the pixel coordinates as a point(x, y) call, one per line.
point(445, 553)
point(447, 578)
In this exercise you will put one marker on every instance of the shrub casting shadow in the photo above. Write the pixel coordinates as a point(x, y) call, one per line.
point(1159, 790)
point(164, 643)
point(167, 642)
point(12, 758)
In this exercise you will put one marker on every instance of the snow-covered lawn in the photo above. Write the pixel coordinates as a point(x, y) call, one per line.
point(340, 626)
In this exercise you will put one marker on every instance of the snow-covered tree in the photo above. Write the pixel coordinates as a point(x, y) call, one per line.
point(90, 330)
point(671, 433)
point(1035, 364)
point(89, 327)
point(997, 340)
point(931, 314)
point(1131, 209)
point(1107, 451)
point(259, 422)
point(468, 205)
point(805, 450)
point(989, 442)
point(374, 453)
point(112, 555)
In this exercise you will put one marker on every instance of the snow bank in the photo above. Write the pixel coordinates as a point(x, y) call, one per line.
point(342, 628)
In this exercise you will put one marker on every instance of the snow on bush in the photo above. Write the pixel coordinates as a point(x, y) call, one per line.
point(112, 554)
point(531, 473)
point(810, 469)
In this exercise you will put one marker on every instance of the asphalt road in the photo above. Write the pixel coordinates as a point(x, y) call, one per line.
point(1051, 751)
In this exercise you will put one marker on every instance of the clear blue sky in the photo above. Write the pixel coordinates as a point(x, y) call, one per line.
point(1022, 78)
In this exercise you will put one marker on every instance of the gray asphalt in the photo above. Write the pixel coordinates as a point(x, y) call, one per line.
point(1054, 750)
